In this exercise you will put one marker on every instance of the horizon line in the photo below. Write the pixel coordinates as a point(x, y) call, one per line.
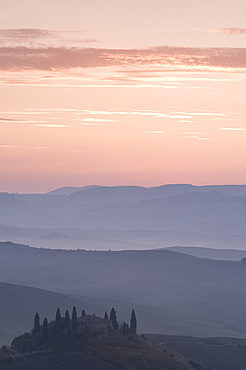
point(120, 186)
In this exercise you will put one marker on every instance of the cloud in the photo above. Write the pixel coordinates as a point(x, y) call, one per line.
point(8, 146)
point(230, 31)
point(26, 33)
point(7, 119)
point(196, 138)
point(60, 58)
point(232, 129)
point(50, 125)
point(38, 37)
point(97, 120)
point(50, 58)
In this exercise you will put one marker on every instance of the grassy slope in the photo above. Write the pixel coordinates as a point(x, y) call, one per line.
point(215, 353)
point(112, 353)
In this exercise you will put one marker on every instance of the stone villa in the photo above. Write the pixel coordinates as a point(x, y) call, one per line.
point(93, 323)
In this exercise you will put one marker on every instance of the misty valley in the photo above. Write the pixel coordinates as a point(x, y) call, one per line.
point(174, 254)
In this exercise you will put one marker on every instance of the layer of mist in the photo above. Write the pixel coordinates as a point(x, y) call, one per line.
point(127, 217)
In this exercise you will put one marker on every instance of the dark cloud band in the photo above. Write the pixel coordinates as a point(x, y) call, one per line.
point(53, 58)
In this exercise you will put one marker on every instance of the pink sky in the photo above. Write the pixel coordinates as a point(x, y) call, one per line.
point(112, 92)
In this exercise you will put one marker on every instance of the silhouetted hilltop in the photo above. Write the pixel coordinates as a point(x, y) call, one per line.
point(111, 353)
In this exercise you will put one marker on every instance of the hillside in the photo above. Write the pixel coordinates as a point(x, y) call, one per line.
point(18, 305)
point(215, 353)
point(112, 353)
point(178, 293)
point(211, 253)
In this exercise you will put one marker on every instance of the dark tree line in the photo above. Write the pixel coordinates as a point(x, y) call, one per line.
point(124, 327)
point(64, 330)
point(51, 334)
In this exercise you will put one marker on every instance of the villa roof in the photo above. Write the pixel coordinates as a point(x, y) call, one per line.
point(91, 318)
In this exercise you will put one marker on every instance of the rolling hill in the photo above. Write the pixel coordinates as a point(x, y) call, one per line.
point(215, 353)
point(18, 305)
point(180, 294)
point(211, 253)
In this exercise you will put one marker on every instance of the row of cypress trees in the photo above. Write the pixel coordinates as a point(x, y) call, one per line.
point(115, 325)
point(65, 329)
point(61, 329)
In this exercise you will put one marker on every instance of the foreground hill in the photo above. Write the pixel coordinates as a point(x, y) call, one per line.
point(215, 353)
point(167, 215)
point(112, 353)
point(18, 305)
point(176, 293)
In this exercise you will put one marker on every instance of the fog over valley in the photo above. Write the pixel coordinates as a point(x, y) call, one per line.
point(127, 217)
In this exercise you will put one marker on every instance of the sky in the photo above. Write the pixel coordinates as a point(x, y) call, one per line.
point(114, 92)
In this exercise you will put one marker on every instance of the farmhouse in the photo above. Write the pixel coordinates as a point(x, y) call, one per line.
point(93, 323)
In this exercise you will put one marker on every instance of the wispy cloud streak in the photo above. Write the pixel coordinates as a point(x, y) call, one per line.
point(230, 31)
point(32, 33)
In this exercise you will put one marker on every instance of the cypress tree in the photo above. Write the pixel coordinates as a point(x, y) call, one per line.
point(68, 326)
point(106, 316)
point(30, 345)
point(57, 327)
point(83, 313)
point(74, 323)
point(45, 331)
point(113, 319)
point(124, 328)
point(51, 338)
point(36, 328)
point(133, 323)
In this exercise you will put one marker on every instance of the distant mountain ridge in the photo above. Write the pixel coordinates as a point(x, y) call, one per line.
point(104, 217)
point(67, 190)
point(168, 189)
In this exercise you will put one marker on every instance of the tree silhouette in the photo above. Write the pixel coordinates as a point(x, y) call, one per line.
point(83, 313)
point(113, 319)
point(106, 316)
point(133, 323)
point(74, 323)
point(68, 326)
point(45, 330)
point(57, 327)
point(124, 328)
point(36, 328)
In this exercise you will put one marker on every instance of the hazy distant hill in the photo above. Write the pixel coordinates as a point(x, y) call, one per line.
point(18, 305)
point(163, 190)
point(67, 190)
point(128, 217)
point(215, 254)
point(180, 293)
